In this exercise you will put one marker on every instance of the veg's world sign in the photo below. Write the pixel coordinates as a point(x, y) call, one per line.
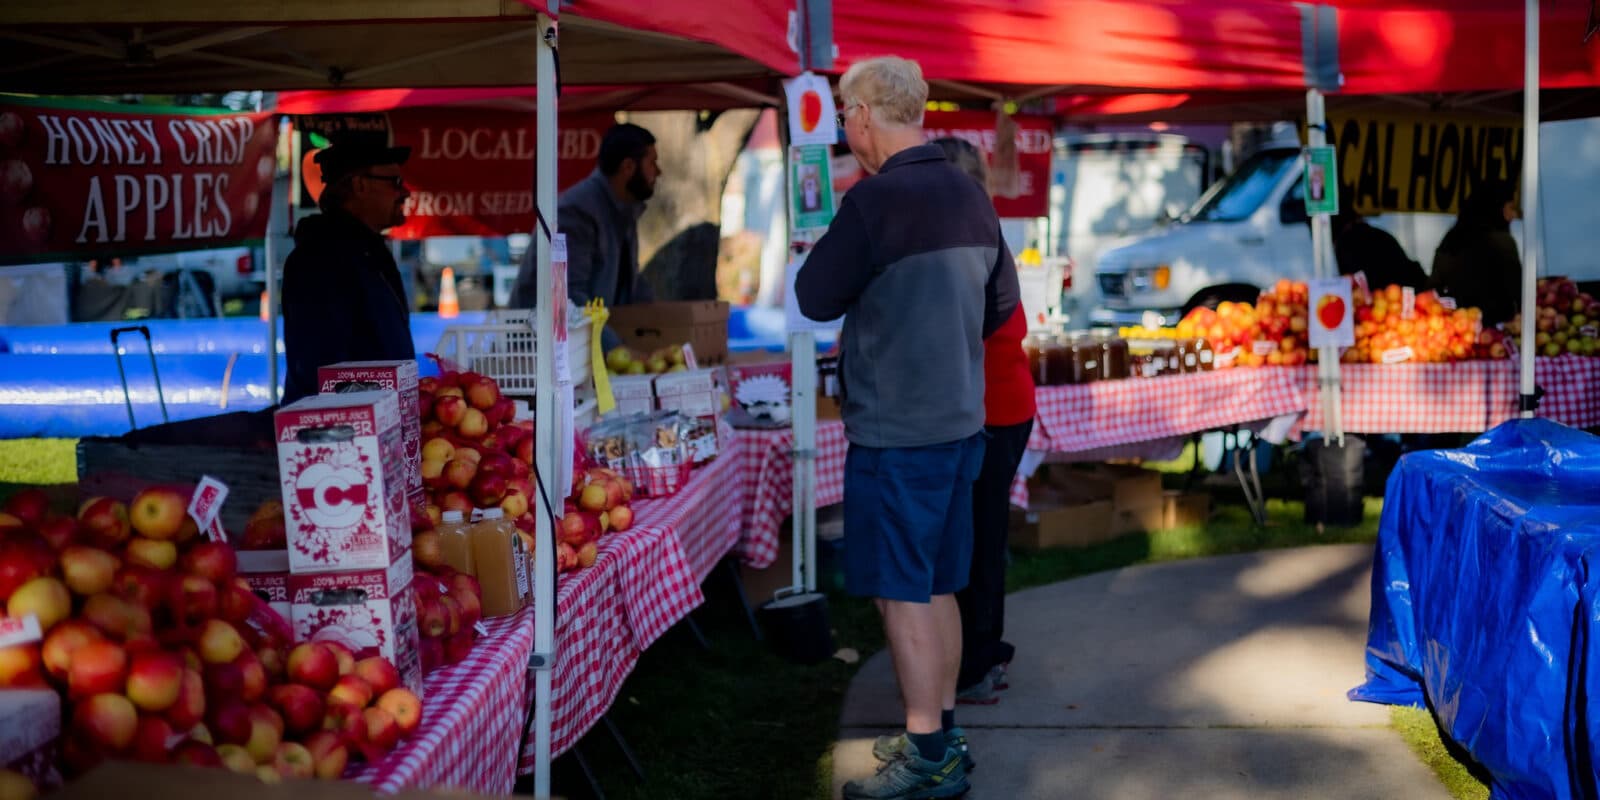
point(80, 181)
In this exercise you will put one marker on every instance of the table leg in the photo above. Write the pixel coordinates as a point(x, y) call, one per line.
point(622, 744)
point(732, 565)
point(1249, 483)
point(588, 774)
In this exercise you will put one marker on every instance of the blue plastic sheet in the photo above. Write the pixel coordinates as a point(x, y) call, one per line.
point(1486, 603)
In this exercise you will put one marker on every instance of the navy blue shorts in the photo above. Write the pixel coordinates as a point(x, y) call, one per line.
point(908, 519)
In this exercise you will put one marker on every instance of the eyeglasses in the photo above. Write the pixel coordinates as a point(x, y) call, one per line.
point(395, 182)
point(844, 113)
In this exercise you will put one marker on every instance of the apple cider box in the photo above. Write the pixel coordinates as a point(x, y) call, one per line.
point(370, 611)
point(395, 376)
point(342, 470)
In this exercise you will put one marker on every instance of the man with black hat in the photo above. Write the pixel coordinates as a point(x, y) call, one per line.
point(342, 295)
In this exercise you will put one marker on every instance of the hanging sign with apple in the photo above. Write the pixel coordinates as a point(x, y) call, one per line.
point(810, 109)
point(1331, 313)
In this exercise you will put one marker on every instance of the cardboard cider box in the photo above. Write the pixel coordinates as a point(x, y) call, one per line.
point(396, 376)
point(342, 471)
point(373, 612)
point(267, 573)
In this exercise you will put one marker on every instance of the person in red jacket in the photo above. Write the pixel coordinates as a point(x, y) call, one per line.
point(1009, 410)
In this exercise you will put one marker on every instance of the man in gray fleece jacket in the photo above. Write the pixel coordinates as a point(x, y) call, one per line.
point(916, 264)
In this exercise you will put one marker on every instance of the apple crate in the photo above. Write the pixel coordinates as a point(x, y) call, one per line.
point(502, 348)
point(236, 448)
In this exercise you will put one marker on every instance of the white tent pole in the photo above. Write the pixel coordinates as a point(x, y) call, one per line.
point(547, 442)
point(272, 264)
point(1530, 200)
point(1321, 249)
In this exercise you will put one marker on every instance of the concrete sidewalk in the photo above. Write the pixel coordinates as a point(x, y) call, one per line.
point(1213, 678)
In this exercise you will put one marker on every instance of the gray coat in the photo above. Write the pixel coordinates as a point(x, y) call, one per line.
point(602, 241)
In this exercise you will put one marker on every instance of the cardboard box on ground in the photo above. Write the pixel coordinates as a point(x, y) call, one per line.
point(647, 327)
point(1076, 506)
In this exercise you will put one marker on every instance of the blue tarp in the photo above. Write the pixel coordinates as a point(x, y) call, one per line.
point(1486, 603)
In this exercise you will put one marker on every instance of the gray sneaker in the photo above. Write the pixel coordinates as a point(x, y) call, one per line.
point(981, 693)
point(999, 677)
point(889, 748)
point(912, 777)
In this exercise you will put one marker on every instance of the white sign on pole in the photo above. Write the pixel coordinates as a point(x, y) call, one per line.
point(794, 320)
point(558, 304)
point(811, 110)
point(1332, 313)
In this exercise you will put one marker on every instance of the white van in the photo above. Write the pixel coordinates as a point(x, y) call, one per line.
point(1106, 188)
point(1251, 229)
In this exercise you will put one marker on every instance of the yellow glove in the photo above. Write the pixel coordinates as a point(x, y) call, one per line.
point(597, 314)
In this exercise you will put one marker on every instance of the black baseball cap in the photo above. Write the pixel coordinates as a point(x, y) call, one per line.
point(339, 161)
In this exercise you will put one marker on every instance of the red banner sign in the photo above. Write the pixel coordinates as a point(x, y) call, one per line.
point(471, 171)
point(1029, 194)
point(77, 182)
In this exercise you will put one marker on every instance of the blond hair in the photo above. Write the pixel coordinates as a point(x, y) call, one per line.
point(891, 85)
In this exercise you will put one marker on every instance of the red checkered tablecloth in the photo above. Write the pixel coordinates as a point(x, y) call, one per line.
point(471, 716)
point(1094, 416)
point(766, 478)
point(1464, 397)
point(700, 514)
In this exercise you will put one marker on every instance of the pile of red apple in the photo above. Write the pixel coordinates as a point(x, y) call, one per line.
point(1567, 320)
point(474, 454)
point(1428, 332)
point(601, 507)
point(1231, 326)
point(162, 654)
point(449, 605)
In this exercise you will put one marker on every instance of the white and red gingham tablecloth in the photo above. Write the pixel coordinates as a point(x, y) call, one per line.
point(643, 581)
point(1465, 397)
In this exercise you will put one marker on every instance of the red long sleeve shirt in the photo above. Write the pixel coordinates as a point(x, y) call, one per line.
point(1008, 385)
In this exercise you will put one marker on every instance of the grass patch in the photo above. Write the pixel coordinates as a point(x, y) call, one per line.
point(37, 461)
point(737, 721)
point(1421, 733)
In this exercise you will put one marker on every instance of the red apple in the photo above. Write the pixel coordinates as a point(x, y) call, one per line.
point(457, 647)
point(194, 600)
point(28, 505)
point(329, 754)
point(471, 607)
point(214, 561)
point(104, 520)
point(449, 409)
point(237, 759)
point(343, 655)
point(313, 664)
point(253, 676)
point(473, 424)
point(432, 621)
point(152, 553)
point(88, 570)
point(587, 554)
point(43, 597)
point(219, 642)
point(190, 709)
point(347, 723)
point(458, 474)
point(265, 530)
point(293, 760)
point(351, 691)
point(482, 393)
point(22, 558)
point(378, 673)
point(154, 680)
point(488, 489)
point(593, 498)
point(427, 549)
point(621, 518)
point(438, 449)
point(141, 586)
point(21, 667)
point(158, 512)
point(301, 707)
point(150, 739)
point(58, 531)
point(235, 602)
point(107, 722)
point(197, 754)
point(116, 617)
point(266, 732)
point(456, 500)
point(452, 614)
point(63, 642)
point(405, 707)
point(430, 652)
point(229, 720)
point(383, 732)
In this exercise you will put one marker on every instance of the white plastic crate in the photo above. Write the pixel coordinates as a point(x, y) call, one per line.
point(502, 348)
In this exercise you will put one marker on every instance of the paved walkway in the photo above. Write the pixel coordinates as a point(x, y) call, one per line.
point(1213, 678)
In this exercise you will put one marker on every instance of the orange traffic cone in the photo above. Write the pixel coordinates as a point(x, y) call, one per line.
point(449, 307)
point(266, 308)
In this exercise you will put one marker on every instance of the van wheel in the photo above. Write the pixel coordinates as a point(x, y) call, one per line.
point(1217, 295)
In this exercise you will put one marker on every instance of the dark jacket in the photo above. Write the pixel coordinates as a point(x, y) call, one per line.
point(602, 247)
point(916, 264)
point(1479, 266)
point(342, 301)
point(1360, 247)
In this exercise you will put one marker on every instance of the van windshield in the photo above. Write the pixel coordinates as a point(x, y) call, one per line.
point(1246, 189)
